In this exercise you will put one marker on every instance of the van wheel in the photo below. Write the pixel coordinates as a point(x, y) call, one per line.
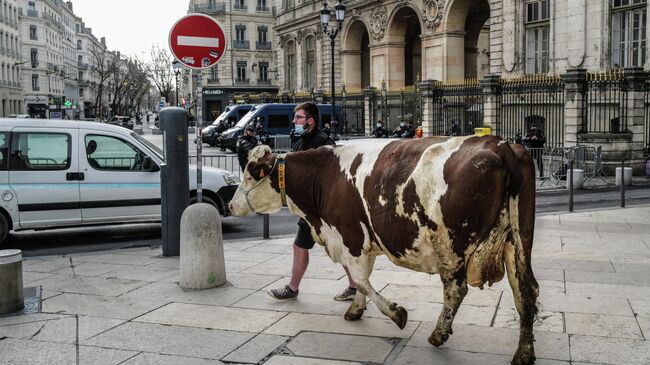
point(207, 200)
point(4, 229)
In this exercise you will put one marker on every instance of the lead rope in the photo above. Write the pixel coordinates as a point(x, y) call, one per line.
point(282, 184)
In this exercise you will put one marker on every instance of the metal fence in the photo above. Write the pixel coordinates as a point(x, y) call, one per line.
point(457, 108)
point(605, 103)
point(646, 123)
point(225, 162)
point(552, 164)
point(393, 107)
point(537, 100)
point(353, 109)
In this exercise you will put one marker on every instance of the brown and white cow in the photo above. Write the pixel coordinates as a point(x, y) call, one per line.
point(460, 207)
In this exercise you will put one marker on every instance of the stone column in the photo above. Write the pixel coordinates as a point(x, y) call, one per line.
point(427, 95)
point(369, 101)
point(635, 78)
point(491, 93)
point(575, 89)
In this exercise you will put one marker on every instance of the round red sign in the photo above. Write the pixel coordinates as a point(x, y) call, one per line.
point(197, 41)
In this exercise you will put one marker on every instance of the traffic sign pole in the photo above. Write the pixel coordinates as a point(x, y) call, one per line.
point(199, 138)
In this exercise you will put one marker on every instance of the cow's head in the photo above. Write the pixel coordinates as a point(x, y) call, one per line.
point(255, 193)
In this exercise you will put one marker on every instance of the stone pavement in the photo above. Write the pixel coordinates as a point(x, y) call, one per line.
point(593, 270)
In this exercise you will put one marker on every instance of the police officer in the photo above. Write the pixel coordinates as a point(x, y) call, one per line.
point(379, 131)
point(246, 143)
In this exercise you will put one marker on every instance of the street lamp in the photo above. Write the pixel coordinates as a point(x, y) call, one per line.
point(339, 12)
point(177, 70)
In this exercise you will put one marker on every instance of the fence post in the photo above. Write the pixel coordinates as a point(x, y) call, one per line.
point(265, 232)
point(623, 183)
point(635, 78)
point(575, 86)
point(570, 177)
point(426, 95)
point(491, 87)
point(369, 101)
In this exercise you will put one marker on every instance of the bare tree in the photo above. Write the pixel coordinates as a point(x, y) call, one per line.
point(160, 72)
point(103, 67)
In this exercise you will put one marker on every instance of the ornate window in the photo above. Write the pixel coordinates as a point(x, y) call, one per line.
point(241, 71)
point(310, 63)
point(537, 36)
point(290, 66)
point(628, 33)
point(264, 72)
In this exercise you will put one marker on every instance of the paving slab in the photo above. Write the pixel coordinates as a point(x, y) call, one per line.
point(89, 269)
point(170, 292)
point(608, 290)
point(306, 303)
point(640, 307)
point(207, 316)
point(619, 278)
point(32, 276)
point(250, 281)
point(113, 258)
point(548, 345)
point(111, 287)
point(239, 266)
point(295, 323)
point(292, 360)
point(546, 321)
point(98, 306)
point(145, 358)
point(426, 311)
point(644, 324)
point(602, 325)
point(162, 261)
point(631, 267)
point(248, 256)
point(593, 349)
point(171, 340)
point(19, 351)
point(46, 266)
point(319, 267)
point(316, 286)
point(337, 347)
point(257, 349)
point(578, 265)
point(589, 303)
point(423, 356)
point(30, 318)
point(475, 296)
point(62, 330)
point(406, 278)
point(142, 273)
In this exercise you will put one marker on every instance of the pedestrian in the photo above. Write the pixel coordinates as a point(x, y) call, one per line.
point(379, 131)
point(409, 132)
point(401, 128)
point(245, 144)
point(307, 136)
point(455, 129)
point(327, 129)
point(261, 134)
point(534, 142)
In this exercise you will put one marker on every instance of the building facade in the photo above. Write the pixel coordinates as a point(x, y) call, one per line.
point(397, 43)
point(11, 95)
point(249, 65)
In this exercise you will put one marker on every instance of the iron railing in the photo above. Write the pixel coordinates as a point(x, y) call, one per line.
point(457, 107)
point(605, 103)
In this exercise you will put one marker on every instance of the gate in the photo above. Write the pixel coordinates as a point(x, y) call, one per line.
point(457, 108)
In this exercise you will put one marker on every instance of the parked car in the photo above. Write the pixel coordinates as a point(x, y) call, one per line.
point(121, 121)
point(276, 118)
point(72, 173)
point(24, 116)
point(233, 113)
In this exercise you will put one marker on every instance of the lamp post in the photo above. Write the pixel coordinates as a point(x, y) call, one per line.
point(339, 11)
point(177, 70)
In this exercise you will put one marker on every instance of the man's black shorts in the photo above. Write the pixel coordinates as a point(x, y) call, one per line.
point(303, 236)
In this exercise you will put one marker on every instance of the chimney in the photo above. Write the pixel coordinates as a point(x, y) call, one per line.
point(69, 5)
point(103, 40)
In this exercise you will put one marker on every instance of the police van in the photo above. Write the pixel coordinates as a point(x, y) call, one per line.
point(71, 173)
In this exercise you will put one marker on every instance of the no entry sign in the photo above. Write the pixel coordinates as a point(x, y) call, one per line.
point(197, 41)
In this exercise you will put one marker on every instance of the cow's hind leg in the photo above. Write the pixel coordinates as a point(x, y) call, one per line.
point(360, 274)
point(455, 289)
point(358, 306)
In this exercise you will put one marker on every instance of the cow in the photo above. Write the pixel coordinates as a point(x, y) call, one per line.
point(460, 207)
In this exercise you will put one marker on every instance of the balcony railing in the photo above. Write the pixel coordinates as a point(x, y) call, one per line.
point(82, 65)
point(36, 88)
point(239, 44)
point(34, 64)
point(264, 82)
point(237, 6)
point(210, 8)
point(32, 13)
point(241, 81)
point(263, 45)
point(262, 8)
point(213, 80)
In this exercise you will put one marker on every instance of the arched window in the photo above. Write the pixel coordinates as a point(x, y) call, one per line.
point(310, 63)
point(290, 65)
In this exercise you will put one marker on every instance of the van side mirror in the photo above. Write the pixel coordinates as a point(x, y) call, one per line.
point(149, 165)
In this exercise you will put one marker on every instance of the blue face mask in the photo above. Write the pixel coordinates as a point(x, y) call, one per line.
point(300, 129)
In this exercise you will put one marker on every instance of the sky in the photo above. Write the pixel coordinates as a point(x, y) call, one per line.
point(131, 26)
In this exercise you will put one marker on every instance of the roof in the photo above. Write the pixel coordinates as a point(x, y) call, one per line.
point(6, 123)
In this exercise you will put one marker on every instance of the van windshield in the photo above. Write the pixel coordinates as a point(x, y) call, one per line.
point(223, 115)
point(248, 117)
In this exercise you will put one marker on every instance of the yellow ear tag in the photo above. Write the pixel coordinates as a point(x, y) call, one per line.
point(262, 173)
point(281, 180)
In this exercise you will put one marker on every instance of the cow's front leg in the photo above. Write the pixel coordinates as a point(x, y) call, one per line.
point(455, 289)
point(360, 275)
point(358, 306)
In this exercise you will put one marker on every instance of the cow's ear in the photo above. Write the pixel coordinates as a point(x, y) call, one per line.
point(259, 170)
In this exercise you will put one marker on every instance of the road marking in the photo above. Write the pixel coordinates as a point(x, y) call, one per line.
point(197, 41)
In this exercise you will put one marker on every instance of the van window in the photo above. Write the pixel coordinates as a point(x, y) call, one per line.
point(40, 151)
point(107, 153)
point(4, 151)
point(279, 121)
point(241, 112)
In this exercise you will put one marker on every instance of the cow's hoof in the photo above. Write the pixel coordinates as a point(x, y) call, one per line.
point(523, 358)
point(400, 316)
point(353, 316)
point(437, 339)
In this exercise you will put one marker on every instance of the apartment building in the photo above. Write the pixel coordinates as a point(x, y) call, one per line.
point(11, 94)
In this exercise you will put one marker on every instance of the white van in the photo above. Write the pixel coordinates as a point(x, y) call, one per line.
point(69, 173)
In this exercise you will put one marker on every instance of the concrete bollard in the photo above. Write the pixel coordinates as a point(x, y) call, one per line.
point(628, 176)
point(202, 264)
point(12, 298)
point(578, 179)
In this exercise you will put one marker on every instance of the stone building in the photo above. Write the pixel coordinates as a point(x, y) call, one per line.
point(248, 67)
point(11, 95)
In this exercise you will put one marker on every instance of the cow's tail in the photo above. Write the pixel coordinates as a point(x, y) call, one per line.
point(517, 252)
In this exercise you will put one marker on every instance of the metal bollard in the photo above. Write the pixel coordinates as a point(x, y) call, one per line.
point(265, 233)
point(623, 183)
point(174, 177)
point(12, 297)
point(570, 177)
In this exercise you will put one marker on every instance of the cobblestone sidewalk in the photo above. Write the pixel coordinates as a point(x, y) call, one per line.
point(593, 269)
